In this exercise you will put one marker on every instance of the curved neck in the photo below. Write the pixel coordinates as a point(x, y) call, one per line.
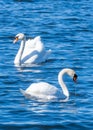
point(18, 57)
point(62, 84)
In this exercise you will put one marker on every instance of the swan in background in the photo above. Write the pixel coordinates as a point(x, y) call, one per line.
point(46, 92)
point(31, 51)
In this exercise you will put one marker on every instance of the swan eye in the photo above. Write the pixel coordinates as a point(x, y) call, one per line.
point(75, 78)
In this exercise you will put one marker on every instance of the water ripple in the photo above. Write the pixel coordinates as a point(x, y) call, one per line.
point(66, 28)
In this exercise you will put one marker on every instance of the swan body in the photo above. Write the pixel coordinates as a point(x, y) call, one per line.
point(31, 51)
point(47, 92)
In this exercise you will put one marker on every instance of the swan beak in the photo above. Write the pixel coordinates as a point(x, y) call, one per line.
point(15, 40)
point(75, 78)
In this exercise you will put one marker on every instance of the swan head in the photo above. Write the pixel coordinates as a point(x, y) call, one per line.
point(72, 74)
point(19, 36)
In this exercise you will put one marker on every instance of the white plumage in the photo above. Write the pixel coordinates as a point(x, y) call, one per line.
point(47, 92)
point(31, 51)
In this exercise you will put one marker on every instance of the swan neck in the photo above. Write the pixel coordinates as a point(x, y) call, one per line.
point(62, 84)
point(20, 52)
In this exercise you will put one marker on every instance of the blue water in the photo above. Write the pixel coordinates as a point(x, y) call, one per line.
point(66, 27)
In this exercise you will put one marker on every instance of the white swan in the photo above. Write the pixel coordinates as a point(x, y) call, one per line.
point(31, 51)
point(47, 92)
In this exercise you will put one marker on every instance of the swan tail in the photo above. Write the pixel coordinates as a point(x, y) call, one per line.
point(22, 91)
point(49, 51)
point(47, 54)
point(25, 94)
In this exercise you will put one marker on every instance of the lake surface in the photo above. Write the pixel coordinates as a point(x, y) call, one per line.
point(65, 27)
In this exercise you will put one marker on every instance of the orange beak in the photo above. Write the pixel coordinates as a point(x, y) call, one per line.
point(15, 40)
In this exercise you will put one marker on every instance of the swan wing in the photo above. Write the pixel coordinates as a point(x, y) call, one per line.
point(42, 88)
point(30, 46)
point(42, 91)
point(34, 50)
point(31, 43)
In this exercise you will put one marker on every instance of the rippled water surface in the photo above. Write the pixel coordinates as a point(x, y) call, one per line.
point(66, 27)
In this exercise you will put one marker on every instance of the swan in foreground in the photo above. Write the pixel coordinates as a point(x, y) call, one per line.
point(31, 51)
point(46, 92)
